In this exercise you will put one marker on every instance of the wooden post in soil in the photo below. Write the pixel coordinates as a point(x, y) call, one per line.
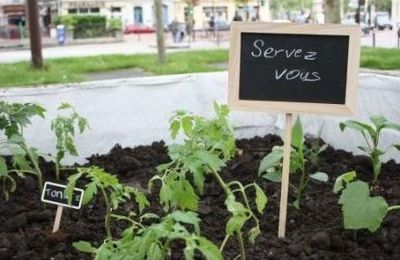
point(287, 141)
point(57, 220)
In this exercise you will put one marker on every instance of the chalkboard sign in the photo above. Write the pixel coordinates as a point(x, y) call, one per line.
point(54, 193)
point(294, 67)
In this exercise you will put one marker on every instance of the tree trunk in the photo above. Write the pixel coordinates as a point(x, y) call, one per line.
point(160, 31)
point(333, 11)
point(35, 35)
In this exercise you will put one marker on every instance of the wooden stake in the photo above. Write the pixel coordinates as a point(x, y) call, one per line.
point(287, 139)
point(58, 218)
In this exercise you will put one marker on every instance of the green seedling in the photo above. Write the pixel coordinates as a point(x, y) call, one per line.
point(65, 127)
point(14, 117)
point(8, 181)
point(372, 134)
point(113, 192)
point(207, 146)
point(271, 165)
point(360, 209)
point(153, 242)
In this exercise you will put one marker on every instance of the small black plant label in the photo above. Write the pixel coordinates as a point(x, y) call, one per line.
point(54, 193)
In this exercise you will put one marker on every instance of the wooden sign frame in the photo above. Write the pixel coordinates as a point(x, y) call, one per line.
point(61, 204)
point(354, 34)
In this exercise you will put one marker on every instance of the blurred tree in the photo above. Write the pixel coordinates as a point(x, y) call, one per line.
point(35, 35)
point(332, 11)
point(160, 31)
point(382, 5)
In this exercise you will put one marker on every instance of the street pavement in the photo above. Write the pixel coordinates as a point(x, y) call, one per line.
point(132, 44)
point(146, 43)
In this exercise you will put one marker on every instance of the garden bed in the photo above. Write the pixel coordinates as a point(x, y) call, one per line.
point(313, 232)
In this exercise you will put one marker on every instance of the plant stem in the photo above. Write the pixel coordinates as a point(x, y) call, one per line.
point(57, 169)
point(394, 207)
point(301, 187)
point(240, 239)
point(221, 182)
point(238, 234)
point(108, 212)
point(221, 248)
point(35, 165)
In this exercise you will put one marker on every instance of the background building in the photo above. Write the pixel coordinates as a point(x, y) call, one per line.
point(396, 10)
point(222, 10)
point(129, 11)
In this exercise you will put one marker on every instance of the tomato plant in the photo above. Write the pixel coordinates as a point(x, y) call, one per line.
point(64, 128)
point(140, 241)
point(372, 135)
point(14, 117)
point(207, 146)
point(271, 165)
point(113, 192)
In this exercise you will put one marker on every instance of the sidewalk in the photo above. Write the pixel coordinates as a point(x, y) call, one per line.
point(146, 43)
point(132, 44)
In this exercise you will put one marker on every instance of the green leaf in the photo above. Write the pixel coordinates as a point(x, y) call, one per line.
point(210, 159)
point(233, 206)
point(187, 218)
point(141, 200)
point(82, 124)
point(378, 121)
point(90, 191)
point(174, 128)
point(272, 160)
point(360, 210)
point(185, 195)
point(358, 126)
point(235, 224)
point(393, 126)
point(16, 139)
point(254, 232)
point(209, 249)
point(155, 252)
point(344, 178)
point(165, 195)
point(364, 148)
point(274, 176)
point(261, 198)
point(84, 246)
point(397, 146)
point(64, 105)
point(297, 134)
point(3, 167)
point(71, 185)
point(187, 125)
point(319, 176)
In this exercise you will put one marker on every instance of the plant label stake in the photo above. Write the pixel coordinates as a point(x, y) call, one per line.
point(54, 193)
point(316, 73)
point(287, 141)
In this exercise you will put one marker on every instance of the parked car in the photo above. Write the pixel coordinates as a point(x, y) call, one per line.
point(139, 28)
point(351, 20)
point(382, 21)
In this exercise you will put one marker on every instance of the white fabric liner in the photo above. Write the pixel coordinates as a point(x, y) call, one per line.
point(136, 111)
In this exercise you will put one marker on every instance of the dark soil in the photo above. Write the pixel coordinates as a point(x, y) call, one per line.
point(314, 232)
